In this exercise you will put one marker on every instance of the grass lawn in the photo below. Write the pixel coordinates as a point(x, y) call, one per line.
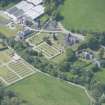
point(43, 90)
point(44, 18)
point(84, 14)
point(6, 30)
point(3, 71)
point(100, 76)
point(4, 56)
point(60, 58)
point(38, 38)
point(9, 32)
point(2, 18)
point(2, 46)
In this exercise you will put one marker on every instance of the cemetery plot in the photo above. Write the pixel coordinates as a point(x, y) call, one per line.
point(13, 68)
point(48, 51)
point(38, 38)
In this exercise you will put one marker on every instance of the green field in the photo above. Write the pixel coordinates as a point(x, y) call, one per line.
point(84, 14)
point(43, 90)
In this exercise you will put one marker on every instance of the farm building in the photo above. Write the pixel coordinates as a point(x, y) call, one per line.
point(23, 34)
point(27, 8)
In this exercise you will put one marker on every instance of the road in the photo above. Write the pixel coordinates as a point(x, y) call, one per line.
point(62, 30)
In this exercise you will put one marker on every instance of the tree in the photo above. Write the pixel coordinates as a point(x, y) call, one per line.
point(101, 53)
point(4, 3)
point(52, 7)
point(49, 6)
point(65, 66)
point(10, 97)
point(47, 40)
point(102, 39)
point(98, 90)
point(70, 55)
point(55, 36)
point(92, 42)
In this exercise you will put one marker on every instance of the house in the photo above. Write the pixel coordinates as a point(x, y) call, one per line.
point(88, 55)
point(71, 40)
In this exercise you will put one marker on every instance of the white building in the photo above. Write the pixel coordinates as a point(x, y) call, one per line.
point(35, 12)
point(27, 8)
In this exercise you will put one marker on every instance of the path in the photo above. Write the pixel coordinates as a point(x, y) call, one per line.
point(62, 31)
